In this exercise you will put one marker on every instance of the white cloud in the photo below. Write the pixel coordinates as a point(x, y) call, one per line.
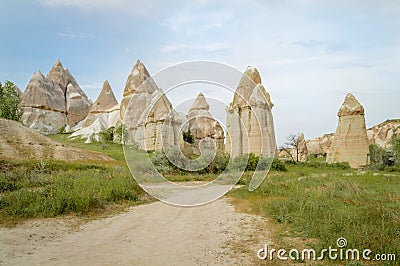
point(73, 35)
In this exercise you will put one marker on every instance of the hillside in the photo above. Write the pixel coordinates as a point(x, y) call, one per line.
point(20, 142)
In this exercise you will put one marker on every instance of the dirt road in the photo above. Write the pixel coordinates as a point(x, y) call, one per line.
point(153, 234)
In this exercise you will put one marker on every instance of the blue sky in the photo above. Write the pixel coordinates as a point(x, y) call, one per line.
point(309, 53)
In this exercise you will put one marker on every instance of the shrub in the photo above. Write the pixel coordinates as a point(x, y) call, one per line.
point(107, 135)
point(188, 137)
point(10, 102)
point(61, 130)
point(278, 165)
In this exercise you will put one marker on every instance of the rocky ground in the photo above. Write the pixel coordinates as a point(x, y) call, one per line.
point(19, 142)
point(153, 234)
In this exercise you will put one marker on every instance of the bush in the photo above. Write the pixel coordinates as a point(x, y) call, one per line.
point(278, 165)
point(10, 102)
point(165, 166)
point(107, 135)
point(119, 134)
point(395, 142)
point(61, 130)
point(188, 137)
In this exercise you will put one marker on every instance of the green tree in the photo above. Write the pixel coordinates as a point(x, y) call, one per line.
point(377, 154)
point(188, 137)
point(10, 102)
point(395, 141)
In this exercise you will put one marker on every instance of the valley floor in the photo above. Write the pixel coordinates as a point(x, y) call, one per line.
point(151, 234)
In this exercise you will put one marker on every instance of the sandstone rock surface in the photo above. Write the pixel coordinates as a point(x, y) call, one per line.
point(103, 115)
point(320, 145)
point(350, 143)
point(147, 114)
point(301, 154)
point(203, 125)
point(52, 102)
point(250, 126)
point(382, 134)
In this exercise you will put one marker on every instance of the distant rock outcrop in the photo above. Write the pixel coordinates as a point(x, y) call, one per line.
point(350, 143)
point(320, 145)
point(382, 134)
point(103, 115)
point(301, 153)
point(203, 125)
point(53, 102)
point(250, 126)
point(147, 114)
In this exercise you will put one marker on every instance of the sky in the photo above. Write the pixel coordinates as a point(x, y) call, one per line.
point(309, 53)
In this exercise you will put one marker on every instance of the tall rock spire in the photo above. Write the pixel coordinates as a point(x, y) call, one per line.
point(250, 123)
point(202, 124)
point(105, 100)
point(350, 143)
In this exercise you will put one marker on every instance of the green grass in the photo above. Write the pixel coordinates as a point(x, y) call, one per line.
point(30, 189)
point(327, 202)
point(114, 150)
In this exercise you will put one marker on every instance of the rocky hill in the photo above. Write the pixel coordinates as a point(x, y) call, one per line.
point(20, 142)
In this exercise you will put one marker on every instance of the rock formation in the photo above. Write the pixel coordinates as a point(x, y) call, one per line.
point(147, 114)
point(43, 104)
point(319, 145)
point(203, 125)
point(301, 153)
point(103, 115)
point(77, 103)
point(52, 102)
point(382, 134)
point(350, 143)
point(250, 126)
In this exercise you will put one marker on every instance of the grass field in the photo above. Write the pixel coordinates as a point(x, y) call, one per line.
point(322, 204)
point(39, 189)
point(111, 149)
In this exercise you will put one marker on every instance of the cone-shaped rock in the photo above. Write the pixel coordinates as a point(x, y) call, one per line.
point(59, 93)
point(103, 115)
point(146, 112)
point(202, 124)
point(105, 105)
point(105, 101)
point(350, 143)
point(250, 123)
point(43, 104)
point(199, 104)
point(57, 75)
point(43, 93)
point(139, 82)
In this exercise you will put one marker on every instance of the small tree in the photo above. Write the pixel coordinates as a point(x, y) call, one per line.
point(377, 154)
point(395, 142)
point(10, 102)
point(188, 137)
point(292, 144)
